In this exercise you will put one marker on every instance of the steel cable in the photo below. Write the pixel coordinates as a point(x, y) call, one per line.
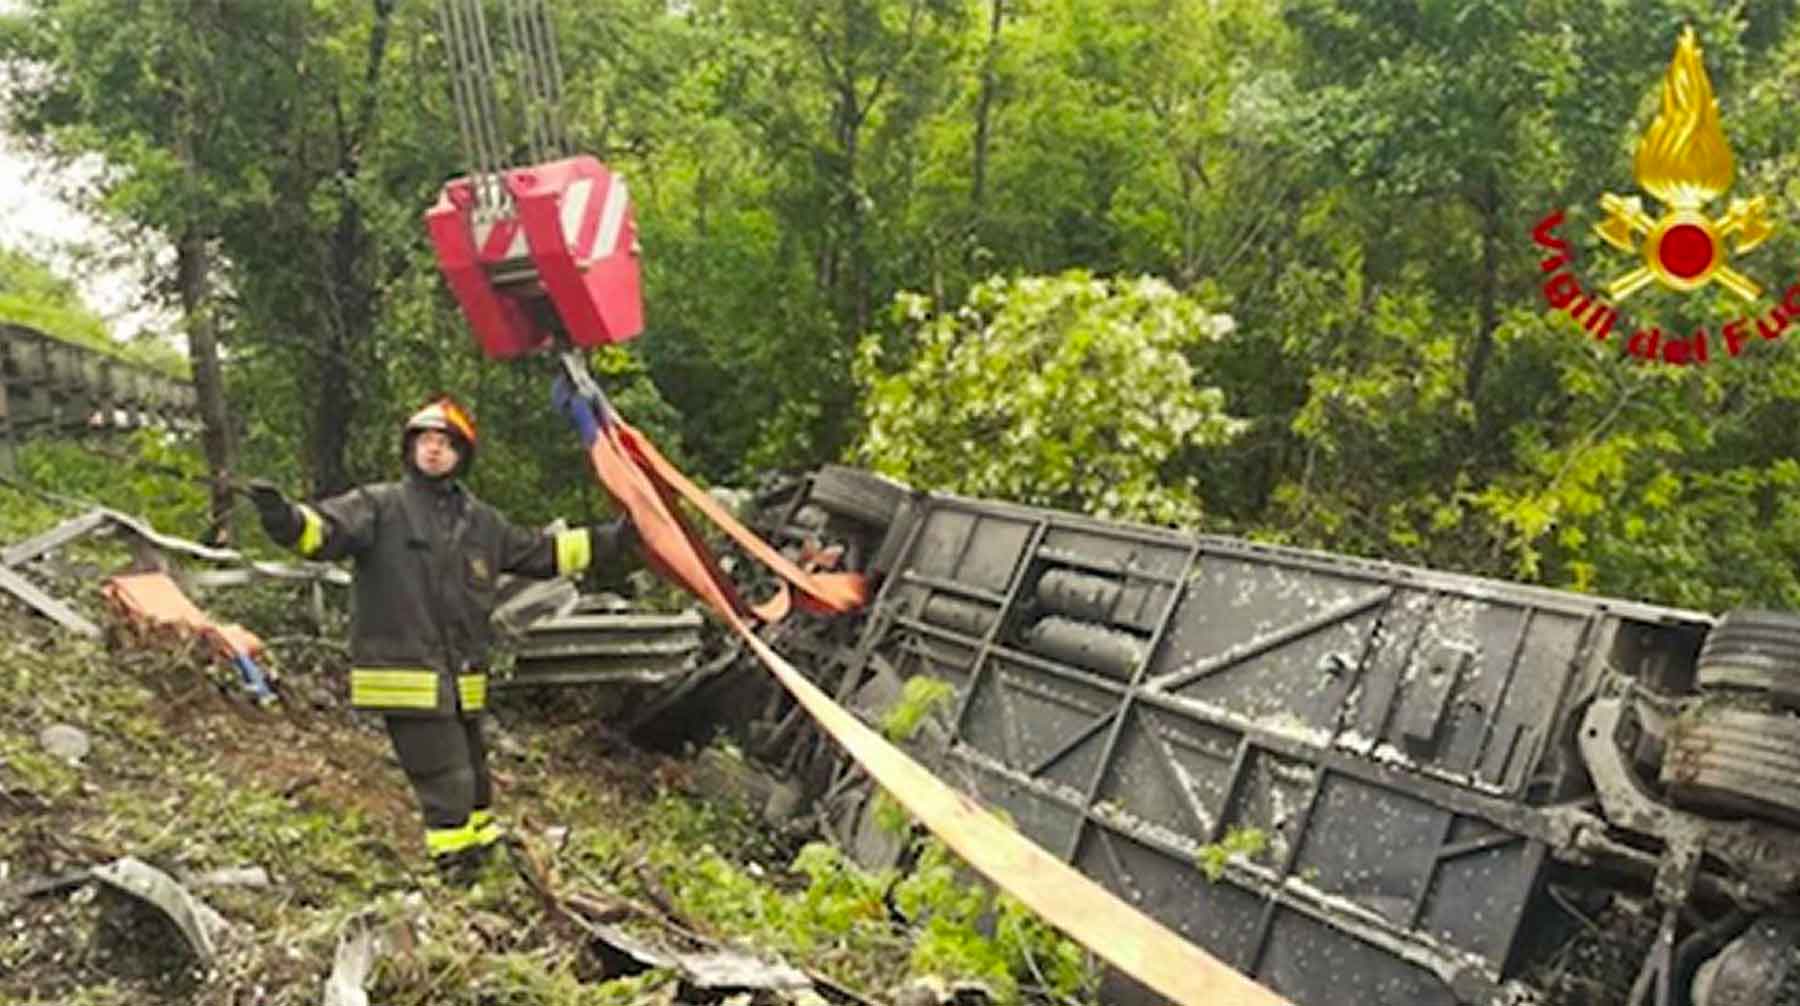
point(553, 65)
point(501, 200)
point(540, 77)
point(459, 86)
point(538, 70)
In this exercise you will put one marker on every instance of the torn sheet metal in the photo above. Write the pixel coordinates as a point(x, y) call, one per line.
point(53, 539)
point(358, 947)
point(50, 607)
point(98, 517)
point(231, 876)
point(612, 635)
point(76, 527)
point(169, 542)
point(525, 602)
point(706, 969)
point(252, 572)
point(617, 939)
point(102, 518)
point(724, 969)
point(202, 927)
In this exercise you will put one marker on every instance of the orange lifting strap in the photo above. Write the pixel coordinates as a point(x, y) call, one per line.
point(643, 482)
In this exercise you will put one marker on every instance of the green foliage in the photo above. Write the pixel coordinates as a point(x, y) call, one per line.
point(527, 979)
point(840, 916)
point(37, 772)
point(24, 513)
point(1239, 842)
point(1065, 391)
point(921, 696)
point(890, 816)
point(152, 474)
point(33, 296)
point(955, 911)
point(1353, 182)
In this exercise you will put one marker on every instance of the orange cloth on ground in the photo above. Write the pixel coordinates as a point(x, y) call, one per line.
point(154, 599)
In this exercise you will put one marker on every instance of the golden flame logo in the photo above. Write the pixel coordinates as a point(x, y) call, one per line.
point(1684, 160)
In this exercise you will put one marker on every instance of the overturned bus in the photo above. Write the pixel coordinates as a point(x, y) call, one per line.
point(1355, 781)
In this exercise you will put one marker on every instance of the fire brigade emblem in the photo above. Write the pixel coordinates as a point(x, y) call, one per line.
point(1684, 161)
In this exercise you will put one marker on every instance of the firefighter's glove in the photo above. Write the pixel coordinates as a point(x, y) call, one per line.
point(608, 541)
point(570, 403)
point(279, 519)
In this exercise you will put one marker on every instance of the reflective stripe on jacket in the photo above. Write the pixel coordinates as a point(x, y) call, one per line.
point(417, 688)
point(427, 560)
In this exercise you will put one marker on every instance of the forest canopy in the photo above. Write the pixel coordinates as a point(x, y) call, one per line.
point(1261, 267)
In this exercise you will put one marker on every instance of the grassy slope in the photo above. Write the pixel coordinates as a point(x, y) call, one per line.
point(186, 775)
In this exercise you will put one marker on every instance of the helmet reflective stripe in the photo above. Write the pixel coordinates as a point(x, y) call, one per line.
point(444, 414)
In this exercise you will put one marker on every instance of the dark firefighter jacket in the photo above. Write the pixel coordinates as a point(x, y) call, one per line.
point(426, 558)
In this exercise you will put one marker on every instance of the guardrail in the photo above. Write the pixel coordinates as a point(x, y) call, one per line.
point(50, 387)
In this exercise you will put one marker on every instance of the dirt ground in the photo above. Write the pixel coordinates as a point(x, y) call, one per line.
point(187, 775)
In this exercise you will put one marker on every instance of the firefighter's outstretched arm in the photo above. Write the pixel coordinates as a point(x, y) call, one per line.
point(527, 552)
point(332, 529)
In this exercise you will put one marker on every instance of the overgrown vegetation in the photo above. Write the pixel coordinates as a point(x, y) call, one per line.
point(1245, 843)
point(1078, 391)
point(151, 473)
point(920, 696)
point(185, 773)
point(1352, 182)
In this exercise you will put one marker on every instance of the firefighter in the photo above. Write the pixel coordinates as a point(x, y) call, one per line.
point(427, 554)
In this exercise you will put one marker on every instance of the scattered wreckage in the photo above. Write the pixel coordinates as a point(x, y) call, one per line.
point(558, 635)
point(1352, 780)
point(189, 937)
point(146, 605)
point(560, 639)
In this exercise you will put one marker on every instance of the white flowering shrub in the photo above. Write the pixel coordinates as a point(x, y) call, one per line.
point(1065, 391)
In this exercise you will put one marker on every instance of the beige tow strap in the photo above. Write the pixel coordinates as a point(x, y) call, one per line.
point(1090, 914)
point(1067, 899)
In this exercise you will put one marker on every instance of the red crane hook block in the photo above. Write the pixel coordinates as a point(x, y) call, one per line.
point(541, 251)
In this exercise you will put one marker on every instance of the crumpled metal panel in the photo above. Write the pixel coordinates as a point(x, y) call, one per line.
point(201, 926)
point(620, 648)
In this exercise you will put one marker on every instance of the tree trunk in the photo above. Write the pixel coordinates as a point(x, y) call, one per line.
point(352, 321)
point(193, 272)
point(858, 253)
point(1488, 289)
point(352, 293)
point(332, 409)
point(193, 279)
point(984, 107)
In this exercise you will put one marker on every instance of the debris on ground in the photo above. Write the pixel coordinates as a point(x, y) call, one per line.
point(358, 948)
point(200, 926)
point(61, 740)
point(168, 842)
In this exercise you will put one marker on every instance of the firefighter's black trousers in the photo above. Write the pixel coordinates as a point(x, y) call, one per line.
point(445, 759)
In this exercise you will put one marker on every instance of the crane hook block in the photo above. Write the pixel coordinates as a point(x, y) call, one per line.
point(543, 248)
